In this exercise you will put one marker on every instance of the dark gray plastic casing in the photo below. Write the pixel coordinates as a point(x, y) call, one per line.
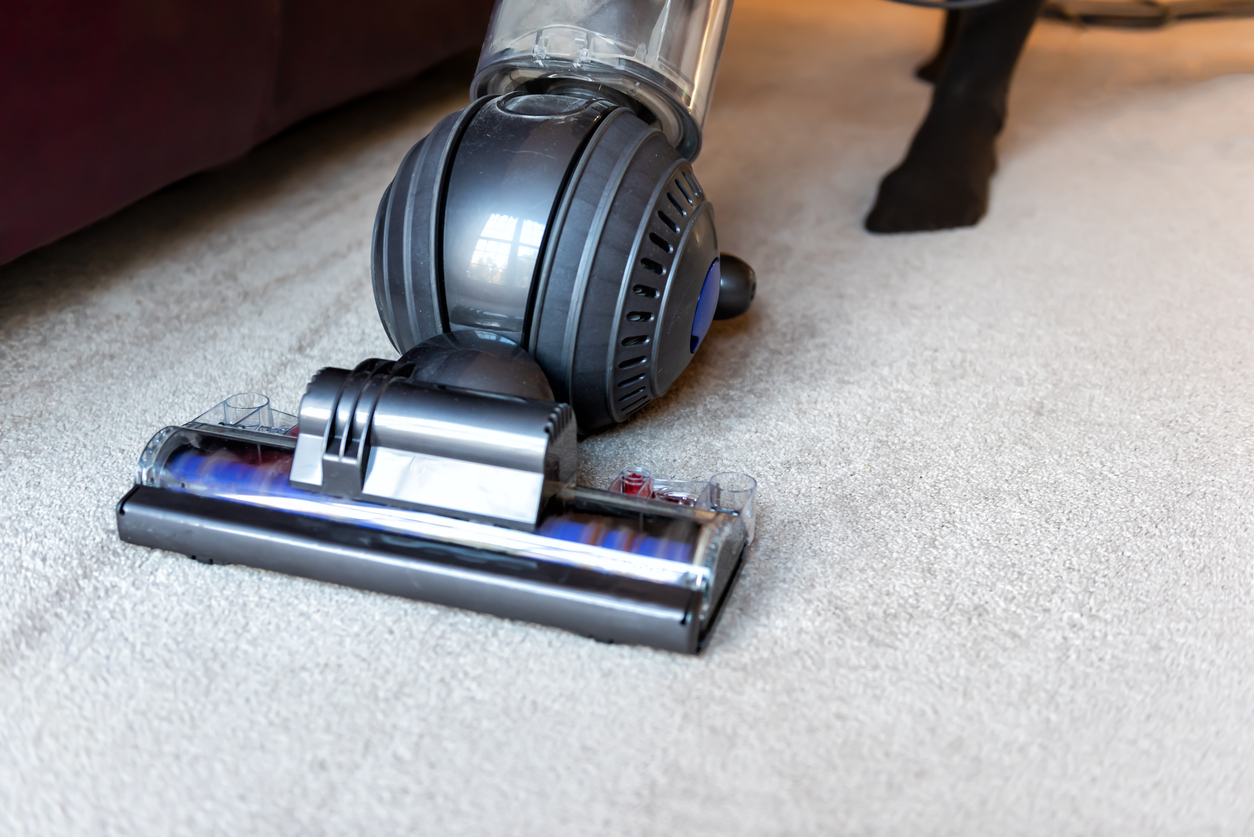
point(562, 222)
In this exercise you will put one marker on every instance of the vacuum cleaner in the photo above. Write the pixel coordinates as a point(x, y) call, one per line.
point(546, 264)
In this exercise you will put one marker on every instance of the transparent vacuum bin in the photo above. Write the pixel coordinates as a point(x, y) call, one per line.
point(662, 53)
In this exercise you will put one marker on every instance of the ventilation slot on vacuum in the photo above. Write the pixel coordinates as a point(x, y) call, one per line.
point(630, 395)
point(666, 219)
point(649, 264)
point(692, 181)
point(632, 380)
point(662, 243)
point(683, 212)
point(635, 361)
point(637, 340)
point(680, 187)
point(639, 316)
point(645, 291)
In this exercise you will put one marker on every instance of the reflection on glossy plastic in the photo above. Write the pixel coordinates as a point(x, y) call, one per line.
point(498, 207)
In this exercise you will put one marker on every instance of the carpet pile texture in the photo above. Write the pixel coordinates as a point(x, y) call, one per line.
point(1004, 576)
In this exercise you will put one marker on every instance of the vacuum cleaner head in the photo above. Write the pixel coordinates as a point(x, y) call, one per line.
point(416, 490)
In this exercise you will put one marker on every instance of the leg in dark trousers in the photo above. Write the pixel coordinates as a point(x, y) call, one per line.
point(943, 181)
point(931, 69)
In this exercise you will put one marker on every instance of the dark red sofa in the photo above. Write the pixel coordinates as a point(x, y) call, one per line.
point(103, 102)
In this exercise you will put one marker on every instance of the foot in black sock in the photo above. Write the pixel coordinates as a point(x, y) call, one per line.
point(943, 181)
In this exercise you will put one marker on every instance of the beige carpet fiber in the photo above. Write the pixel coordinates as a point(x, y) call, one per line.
point(1003, 582)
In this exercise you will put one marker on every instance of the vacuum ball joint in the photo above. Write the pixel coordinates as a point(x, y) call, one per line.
point(560, 210)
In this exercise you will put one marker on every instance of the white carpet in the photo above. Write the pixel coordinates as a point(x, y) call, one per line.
point(1003, 579)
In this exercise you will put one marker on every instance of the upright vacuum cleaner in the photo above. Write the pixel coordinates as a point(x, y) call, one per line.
point(545, 262)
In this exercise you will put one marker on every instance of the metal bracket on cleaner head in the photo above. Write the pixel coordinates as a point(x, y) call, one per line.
point(373, 435)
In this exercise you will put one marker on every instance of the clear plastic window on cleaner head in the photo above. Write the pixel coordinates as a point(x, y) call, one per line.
point(727, 491)
point(662, 53)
